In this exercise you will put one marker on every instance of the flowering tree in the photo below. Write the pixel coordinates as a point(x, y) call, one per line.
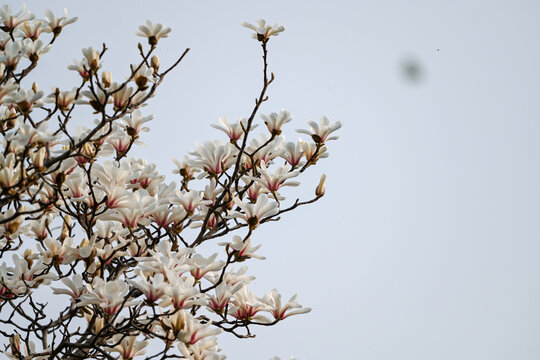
point(83, 223)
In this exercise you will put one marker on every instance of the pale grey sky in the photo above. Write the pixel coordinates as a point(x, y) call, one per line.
point(427, 244)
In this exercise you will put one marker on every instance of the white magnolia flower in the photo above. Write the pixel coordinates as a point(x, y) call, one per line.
point(11, 21)
point(253, 213)
point(274, 121)
point(282, 311)
point(320, 132)
point(273, 182)
point(242, 248)
point(108, 295)
point(264, 31)
point(128, 346)
point(56, 24)
point(234, 131)
point(153, 32)
point(75, 285)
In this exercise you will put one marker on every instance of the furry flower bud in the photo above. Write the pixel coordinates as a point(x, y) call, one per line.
point(321, 188)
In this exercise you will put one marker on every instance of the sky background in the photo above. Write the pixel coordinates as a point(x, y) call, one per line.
point(427, 243)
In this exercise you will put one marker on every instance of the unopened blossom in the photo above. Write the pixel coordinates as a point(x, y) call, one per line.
point(154, 63)
point(153, 32)
point(128, 346)
point(56, 24)
point(106, 78)
point(319, 191)
point(10, 171)
point(274, 121)
point(282, 311)
point(264, 31)
point(254, 213)
point(320, 132)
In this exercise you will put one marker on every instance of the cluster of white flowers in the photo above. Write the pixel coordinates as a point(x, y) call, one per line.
point(108, 234)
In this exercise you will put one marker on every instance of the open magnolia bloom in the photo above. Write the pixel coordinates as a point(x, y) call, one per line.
point(124, 253)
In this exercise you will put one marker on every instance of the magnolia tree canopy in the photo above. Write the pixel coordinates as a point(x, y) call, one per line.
point(109, 239)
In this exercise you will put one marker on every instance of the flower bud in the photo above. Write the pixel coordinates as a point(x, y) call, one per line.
point(66, 228)
point(35, 87)
point(321, 188)
point(154, 62)
point(38, 158)
point(106, 78)
point(28, 256)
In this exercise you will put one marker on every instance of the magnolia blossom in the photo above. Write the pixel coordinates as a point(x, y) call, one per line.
point(128, 346)
point(320, 132)
point(56, 24)
point(235, 130)
point(11, 21)
point(273, 182)
point(263, 31)
point(254, 213)
point(132, 252)
point(153, 32)
point(274, 122)
point(75, 285)
point(243, 249)
point(108, 295)
point(213, 157)
point(282, 311)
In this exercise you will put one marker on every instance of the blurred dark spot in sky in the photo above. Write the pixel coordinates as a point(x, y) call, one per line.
point(412, 71)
